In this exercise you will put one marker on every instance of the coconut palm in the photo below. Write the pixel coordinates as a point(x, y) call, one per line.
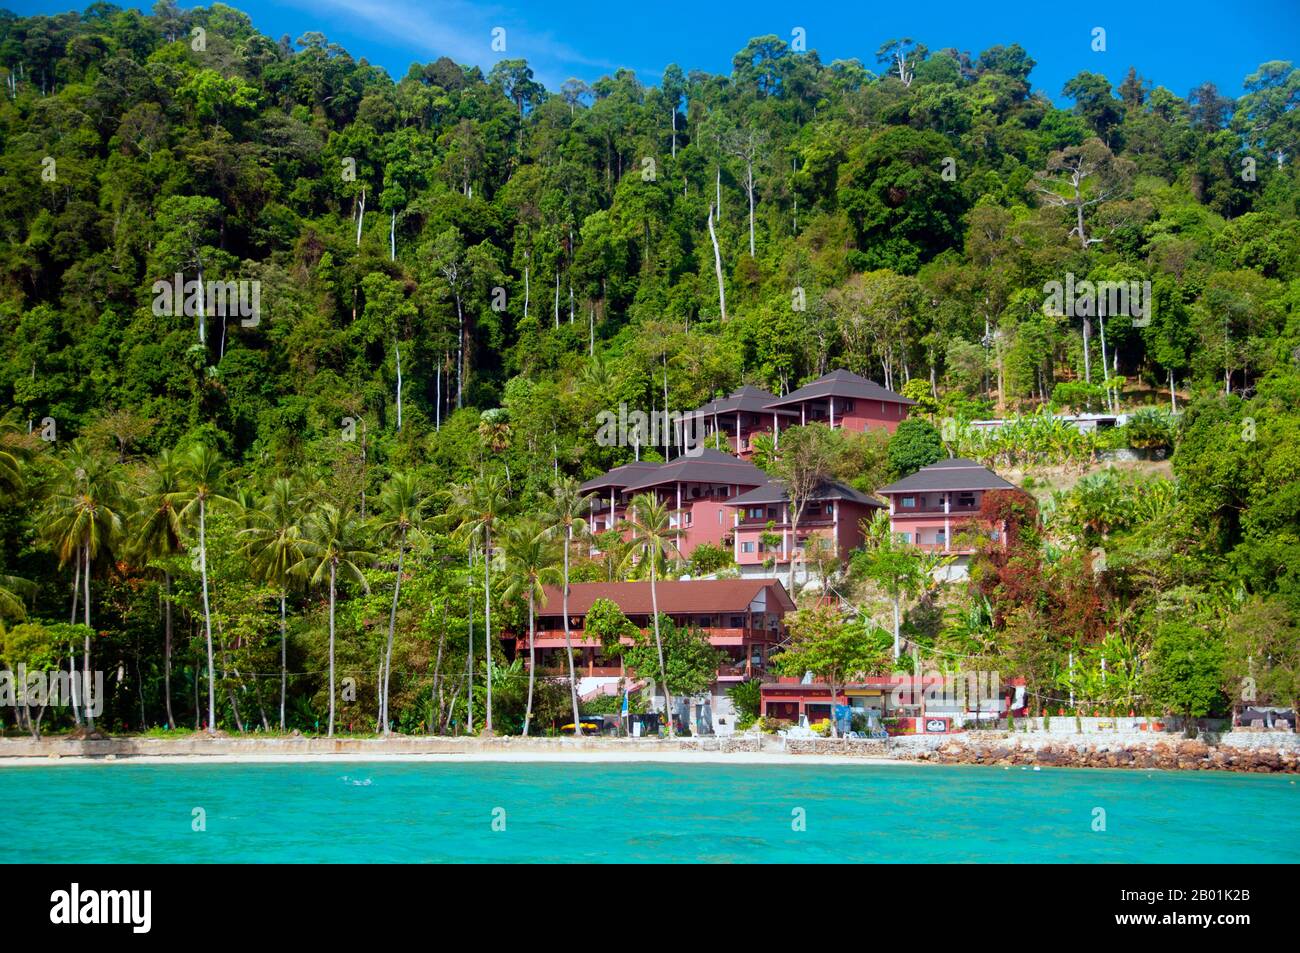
point(202, 475)
point(13, 591)
point(156, 534)
point(333, 545)
point(529, 556)
point(84, 521)
point(565, 517)
point(273, 541)
point(401, 512)
point(654, 538)
point(477, 508)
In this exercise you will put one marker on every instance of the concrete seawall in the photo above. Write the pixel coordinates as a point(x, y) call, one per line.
point(1257, 752)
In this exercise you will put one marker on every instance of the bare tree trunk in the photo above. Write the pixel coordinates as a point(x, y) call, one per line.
point(167, 648)
point(717, 267)
point(392, 625)
point(568, 645)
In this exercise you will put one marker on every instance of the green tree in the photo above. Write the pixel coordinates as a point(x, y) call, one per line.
point(565, 517)
point(333, 544)
point(654, 539)
point(529, 560)
point(1185, 671)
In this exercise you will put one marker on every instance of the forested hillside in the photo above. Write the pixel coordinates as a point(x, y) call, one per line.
point(458, 271)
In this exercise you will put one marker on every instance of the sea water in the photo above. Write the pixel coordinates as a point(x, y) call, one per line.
point(582, 812)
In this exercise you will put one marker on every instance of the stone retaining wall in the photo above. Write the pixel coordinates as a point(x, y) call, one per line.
point(1229, 754)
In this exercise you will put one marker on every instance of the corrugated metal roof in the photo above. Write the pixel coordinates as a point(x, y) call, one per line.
point(840, 384)
point(699, 596)
point(774, 492)
point(957, 473)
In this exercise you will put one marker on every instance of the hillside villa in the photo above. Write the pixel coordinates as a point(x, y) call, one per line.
point(931, 506)
point(742, 415)
point(695, 486)
point(744, 618)
point(834, 514)
point(842, 399)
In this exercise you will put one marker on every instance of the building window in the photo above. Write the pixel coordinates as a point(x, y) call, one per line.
point(756, 512)
point(907, 537)
point(909, 502)
point(965, 499)
point(940, 537)
point(746, 547)
point(719, 517)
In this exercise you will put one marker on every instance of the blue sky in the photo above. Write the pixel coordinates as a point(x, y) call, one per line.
point(1177, 45)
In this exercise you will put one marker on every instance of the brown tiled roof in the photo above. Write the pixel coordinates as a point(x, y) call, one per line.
point(698, 596)
point(747, 399)
point(957, 473)
point(840, 384)
point(704, 466)
point(620, 477)
point(774, 492)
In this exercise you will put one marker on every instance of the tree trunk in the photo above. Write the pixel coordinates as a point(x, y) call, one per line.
point(167, 649)
point(85, 668)
point(392, 625)
point(207, 617)
point(284, 660)
point(659, 645)
point(717, 267)
point(532, 662)
point(568, 645)
point(487, 619)
point(330, 732)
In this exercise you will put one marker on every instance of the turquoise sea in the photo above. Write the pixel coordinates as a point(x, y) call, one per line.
point(366, 812)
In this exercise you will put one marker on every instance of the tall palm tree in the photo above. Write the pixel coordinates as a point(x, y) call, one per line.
point(654, 538)
point(565, 515)
point(13, 591)
point(477, 508)
point(201, 477)
point(333, 544)
point(529, 556)
point(157, 535)
point(84, 520)
point(401, 511)
point(274, 543)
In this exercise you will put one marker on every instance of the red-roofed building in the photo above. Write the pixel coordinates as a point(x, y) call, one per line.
point(834, 514)
point(741, 617)
point(929, 507)
point(696, 486)
point(742, 415)
point(842, 399)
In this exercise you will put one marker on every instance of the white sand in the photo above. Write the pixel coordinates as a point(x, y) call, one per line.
point(511, 757)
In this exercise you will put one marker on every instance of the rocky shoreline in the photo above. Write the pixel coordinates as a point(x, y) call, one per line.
point(1272, 753)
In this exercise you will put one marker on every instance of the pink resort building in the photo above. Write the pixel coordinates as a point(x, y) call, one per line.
point(834, 515)
point(696, 486)
point(742, 617)
point(842, 399)
point(931, 507)
point(740, 416)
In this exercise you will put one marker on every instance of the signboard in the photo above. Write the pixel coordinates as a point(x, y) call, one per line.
point(936, 726)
